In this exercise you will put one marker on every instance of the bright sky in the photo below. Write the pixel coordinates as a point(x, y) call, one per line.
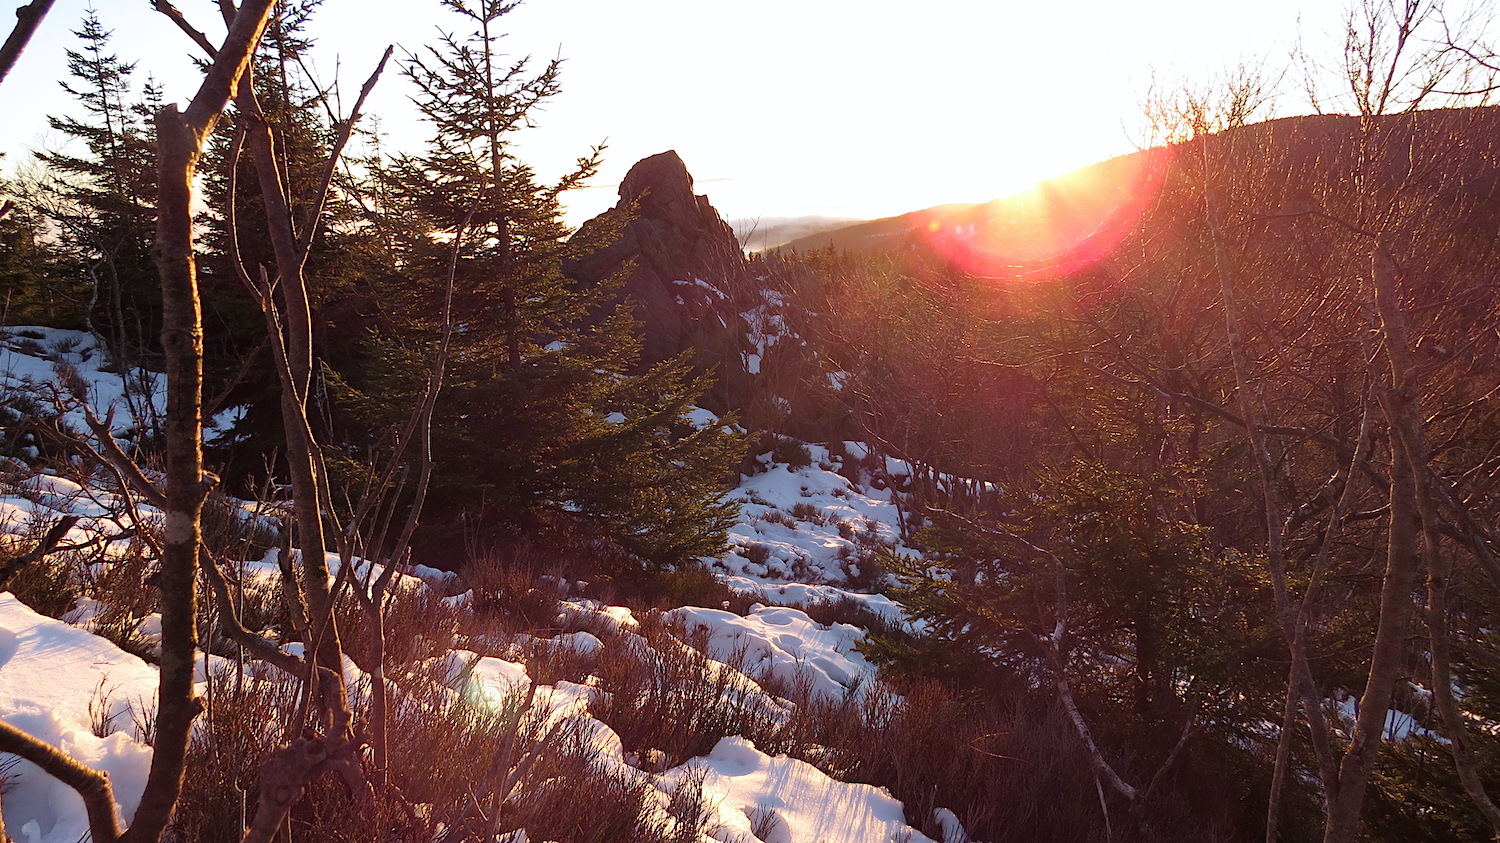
point(860, 108)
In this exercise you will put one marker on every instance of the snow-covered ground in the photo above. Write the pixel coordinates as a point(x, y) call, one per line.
point(50, 675)
point(69, 371)
point(783, 800)
point(806, 536)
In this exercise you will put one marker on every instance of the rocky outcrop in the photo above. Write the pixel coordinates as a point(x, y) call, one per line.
point(684, 269)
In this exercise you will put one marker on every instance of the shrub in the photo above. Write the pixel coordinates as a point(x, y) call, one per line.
point(568, 776)
point(758, 553)
point(244, 720)
point(664, 695)
point(418, 625)
point(776, 516)
point(49, 586)
point(690, 585)
point(848, 610)
point(792, 453)
point(804, 511)
point(512, 594)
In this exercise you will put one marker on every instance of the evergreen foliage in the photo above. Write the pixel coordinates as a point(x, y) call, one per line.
point(543, 407)
point(104, 200)
point(237, 359)
point(39, 284)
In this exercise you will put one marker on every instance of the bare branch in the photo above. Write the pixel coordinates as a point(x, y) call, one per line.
point(92, 785)
point(345, 128)
point(48, 543)
point(176, 17)
point(259, 647)
point(28, 18)
point(116, 458)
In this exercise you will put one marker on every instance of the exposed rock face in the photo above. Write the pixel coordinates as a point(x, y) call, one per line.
point(687, 272)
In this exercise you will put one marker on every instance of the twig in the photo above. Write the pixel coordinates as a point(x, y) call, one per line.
point(45, 546)
point(28, 18)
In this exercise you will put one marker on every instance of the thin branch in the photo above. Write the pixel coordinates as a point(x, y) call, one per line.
point(28, 18)
point(345, 128)
point(47, 544)
point(92, 785)
point(229, 620)
point(111, 454)
point(176, 17)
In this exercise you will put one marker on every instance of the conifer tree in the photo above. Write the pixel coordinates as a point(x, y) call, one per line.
point(543, 409)
point(299, 110)
point(37, 283)
point(104, 200)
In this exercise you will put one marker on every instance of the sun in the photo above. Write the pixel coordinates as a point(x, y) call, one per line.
point(1056, 226)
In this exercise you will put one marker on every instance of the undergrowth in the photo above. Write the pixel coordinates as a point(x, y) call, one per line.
point(933, 746)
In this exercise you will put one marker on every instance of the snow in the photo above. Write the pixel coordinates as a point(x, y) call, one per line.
point(768, 327)
point(268, 570)
point(51, 364)
point(1399, 725)
point(71, 369)
point(484, 681)
point(784, 644)
point(592, 613)
point(745, 786)
point(49, 673)
point(437, 580)
point(804, 595)
point(40, 500)
point(806, 524)
point(700, 418)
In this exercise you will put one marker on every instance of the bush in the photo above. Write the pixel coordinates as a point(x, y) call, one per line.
point(665, 696)
point(48, 586)
point(690, 585)
point(512, 594)
point(571, 796)
point(242, 723)
point(792, 453)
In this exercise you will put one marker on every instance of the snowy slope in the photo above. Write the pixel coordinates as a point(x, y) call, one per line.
point(804, 534)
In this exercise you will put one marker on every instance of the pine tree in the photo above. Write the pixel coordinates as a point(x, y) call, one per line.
point(236, 354)
point(104, 201)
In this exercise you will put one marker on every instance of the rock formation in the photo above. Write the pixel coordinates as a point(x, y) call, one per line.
point(684, 269)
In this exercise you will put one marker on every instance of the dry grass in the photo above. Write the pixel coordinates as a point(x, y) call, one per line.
point(512, 595)
point(620, 805)
point(244, 720)
point(1010, 767)
point(664, 696)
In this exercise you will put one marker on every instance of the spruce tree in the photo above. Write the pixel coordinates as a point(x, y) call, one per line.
point(104, 200)
point(237, 357)
point(543, 408)
point(38, 281)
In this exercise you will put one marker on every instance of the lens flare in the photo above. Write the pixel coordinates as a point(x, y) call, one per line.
point(1059, 226)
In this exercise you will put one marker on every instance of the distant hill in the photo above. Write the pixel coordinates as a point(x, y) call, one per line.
point(1070, 219)
point(1016, 230)
point(756, 234)
point(874, 235)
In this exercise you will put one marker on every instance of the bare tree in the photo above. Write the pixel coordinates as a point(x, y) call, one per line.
point(1382, 209)
point(182, 135)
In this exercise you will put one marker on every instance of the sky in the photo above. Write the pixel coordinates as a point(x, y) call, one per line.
point(851, 108)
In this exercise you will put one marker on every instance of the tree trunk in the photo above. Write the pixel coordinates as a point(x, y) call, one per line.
point(1399, 402)
point(181, 136)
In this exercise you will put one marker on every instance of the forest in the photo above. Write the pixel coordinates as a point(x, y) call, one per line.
point(1156, 503)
